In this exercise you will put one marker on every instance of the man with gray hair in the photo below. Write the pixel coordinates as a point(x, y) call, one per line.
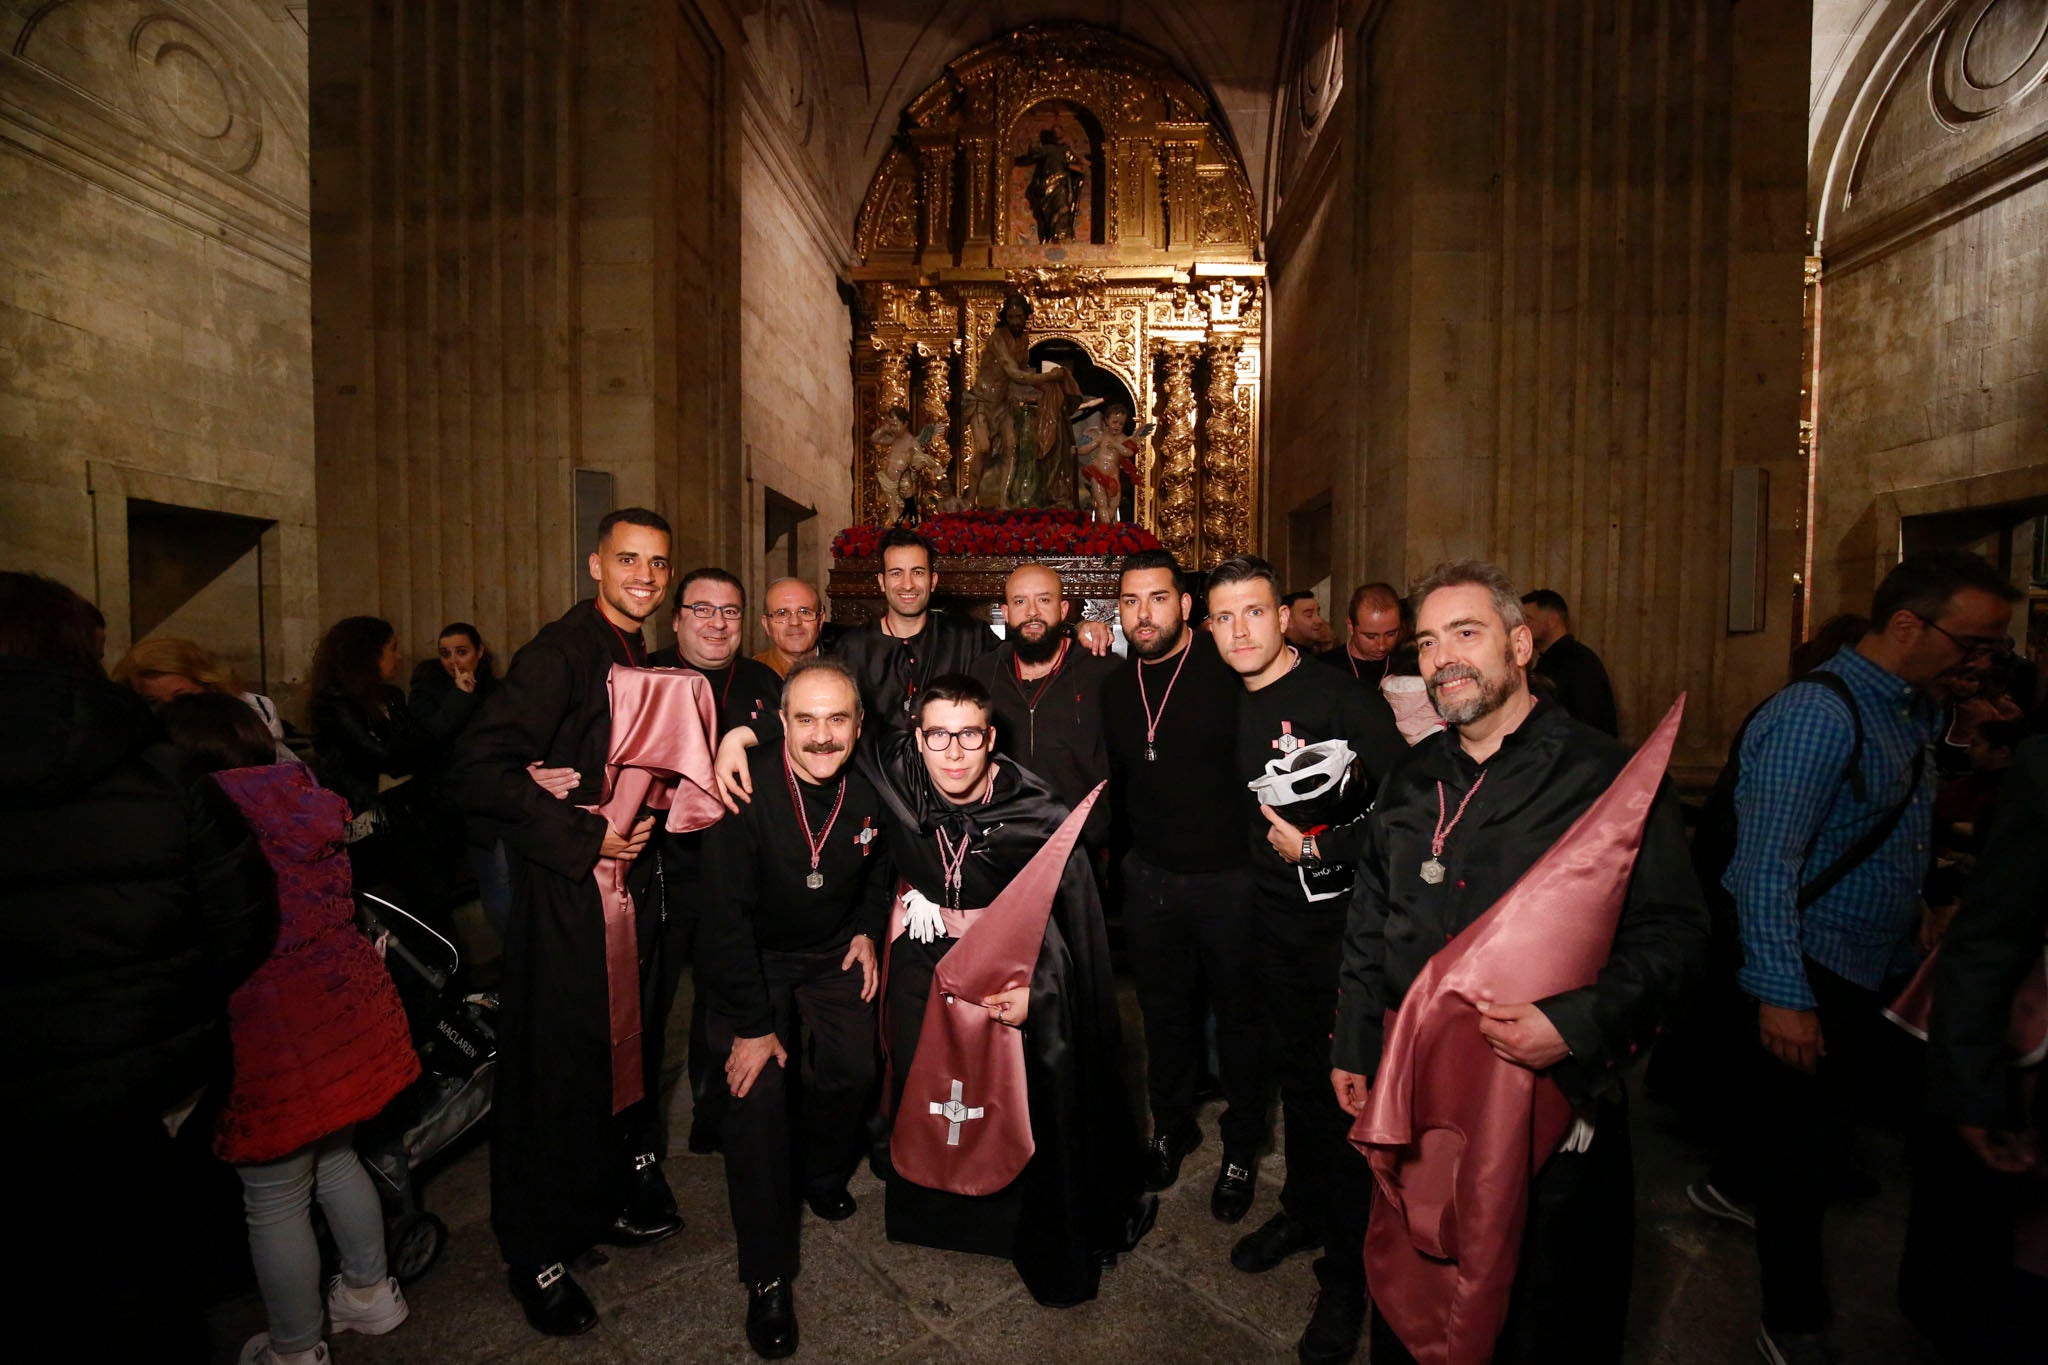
point(1455, 826)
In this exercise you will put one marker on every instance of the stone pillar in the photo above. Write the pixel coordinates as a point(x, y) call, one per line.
point(934, 409)
point(1176, 442)
point(1226, 464)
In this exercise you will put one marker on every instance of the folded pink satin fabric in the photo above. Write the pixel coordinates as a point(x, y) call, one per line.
point(664, 738)
point(1453, 1133)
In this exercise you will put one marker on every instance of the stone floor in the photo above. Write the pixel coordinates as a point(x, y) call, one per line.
point(1176, 1298)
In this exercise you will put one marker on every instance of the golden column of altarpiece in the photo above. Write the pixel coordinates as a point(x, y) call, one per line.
point(1078, 169)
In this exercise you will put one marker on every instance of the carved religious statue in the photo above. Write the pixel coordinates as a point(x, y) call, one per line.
point(1108, 455)
point(906, 467)
point(1017, 449)
point(1055, 189)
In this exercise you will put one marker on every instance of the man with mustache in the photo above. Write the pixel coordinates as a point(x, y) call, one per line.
point(565, 1172)
point(799, 887)
point(1047, 693)
point(1294, 725)
point(1170, 722)
point(1458, 823)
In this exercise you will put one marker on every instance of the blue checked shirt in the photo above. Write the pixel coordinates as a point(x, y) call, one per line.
point(1796, 813)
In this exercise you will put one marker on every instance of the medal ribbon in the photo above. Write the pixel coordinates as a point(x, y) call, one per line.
point(796, 798)
point(1152, 720)
point(1443, 831)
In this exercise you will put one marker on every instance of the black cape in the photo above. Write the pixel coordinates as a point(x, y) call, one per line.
point(892, 671)
point(1081, 1189)
point(559, 1158)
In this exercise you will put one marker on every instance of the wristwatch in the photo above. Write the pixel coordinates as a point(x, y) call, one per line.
point(1310, 855)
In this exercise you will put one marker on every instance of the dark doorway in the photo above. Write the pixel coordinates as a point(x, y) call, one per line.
point(199, 575)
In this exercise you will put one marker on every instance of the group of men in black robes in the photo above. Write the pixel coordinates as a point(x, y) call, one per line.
point(875, 813)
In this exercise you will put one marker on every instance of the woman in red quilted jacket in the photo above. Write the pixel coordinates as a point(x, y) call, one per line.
point(320, 1043)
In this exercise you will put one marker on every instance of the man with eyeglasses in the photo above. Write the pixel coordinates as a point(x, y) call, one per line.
point(711, 607)
point(795, 621)
point(1815, 961)
point(963, 822)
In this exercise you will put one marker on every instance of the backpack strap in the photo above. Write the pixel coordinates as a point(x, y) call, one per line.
point(1875, 837)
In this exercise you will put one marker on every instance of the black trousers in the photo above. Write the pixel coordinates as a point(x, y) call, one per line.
point(1191, 936)
point(1329, 1187)
point(802, 1124)
point(1570, 1301)
point(1800, 1130)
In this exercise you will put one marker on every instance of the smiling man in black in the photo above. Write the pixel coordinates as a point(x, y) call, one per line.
point(1306, 834)
point(799, 891)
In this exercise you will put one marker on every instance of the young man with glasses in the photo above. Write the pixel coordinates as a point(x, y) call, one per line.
point(1819, 939)
point(795, 621)
point(963, 822)
point(710, 613)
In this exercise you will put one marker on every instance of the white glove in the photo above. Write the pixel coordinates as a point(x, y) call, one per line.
point(921, 918)
point(1580, 1138)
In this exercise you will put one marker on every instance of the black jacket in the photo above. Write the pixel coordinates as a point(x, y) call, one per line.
point(1580, 681)
point(133, 900)
point(1995, 940)
point(352, 748)
point(893, 671)
point(1542, 778)
point(1053, 726)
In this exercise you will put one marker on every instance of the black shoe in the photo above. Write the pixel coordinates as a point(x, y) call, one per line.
point(649, 1199)
point(834, 1206)
point(1273, 1242)
point(1164, 1153)
point(1336, 1321)
point(628, 1231)
point(771, 1320)
point(552, 1300)
point(1231, 1198)
point(705, 1139)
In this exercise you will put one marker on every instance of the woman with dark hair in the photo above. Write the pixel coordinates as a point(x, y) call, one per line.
point(447, 691)
point(320, 1044)
point(363, 732)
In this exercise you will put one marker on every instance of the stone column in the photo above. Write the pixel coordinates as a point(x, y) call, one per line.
point(1176, 441)
point(934, 409)
point(1226, 466)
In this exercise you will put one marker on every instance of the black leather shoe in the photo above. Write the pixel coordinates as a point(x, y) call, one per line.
point(552, 1300)
point(771, 1320)
point(1163, 1155)
point(627, 1230)
point(1273, 1242)
point(648, 1196)
point(1231, 1197)
point(1336, 1321)
point(705, 1139)
point(834, 1206)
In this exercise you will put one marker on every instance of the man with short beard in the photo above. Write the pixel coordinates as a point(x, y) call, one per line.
point(1455, 826)
point(1047, 693)
point(1170, 722)
point(799, 888)
point(1313, 745)
point(565, 1171)
point(1307, 631)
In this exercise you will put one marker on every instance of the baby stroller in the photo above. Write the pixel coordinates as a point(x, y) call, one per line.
point(456, 1037)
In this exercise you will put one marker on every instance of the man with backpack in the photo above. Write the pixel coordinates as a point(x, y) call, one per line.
point(1832, 804)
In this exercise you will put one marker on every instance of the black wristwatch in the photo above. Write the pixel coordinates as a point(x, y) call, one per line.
point(1310, 855)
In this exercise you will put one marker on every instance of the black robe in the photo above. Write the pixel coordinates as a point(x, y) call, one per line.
point(1081, 1189)
point(559, 1157)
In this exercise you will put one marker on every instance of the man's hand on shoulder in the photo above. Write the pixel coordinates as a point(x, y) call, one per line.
point(1095, 636)
point(735, 782)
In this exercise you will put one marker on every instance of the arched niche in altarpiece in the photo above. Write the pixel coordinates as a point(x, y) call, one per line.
point(1155, 274)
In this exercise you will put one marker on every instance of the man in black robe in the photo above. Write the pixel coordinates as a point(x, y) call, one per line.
point(711, 608)
point(1568, 664)
point(565, 1171)
point(963, 822)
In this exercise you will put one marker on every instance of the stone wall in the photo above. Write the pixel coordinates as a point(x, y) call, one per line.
point(154, 306)
point(1580, 310)
point(526, 235)
point(1932, 218)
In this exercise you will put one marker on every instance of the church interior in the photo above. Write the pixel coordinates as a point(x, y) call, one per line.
point(1699, 313)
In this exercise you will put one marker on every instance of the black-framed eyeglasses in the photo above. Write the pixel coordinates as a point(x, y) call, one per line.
point(1973, 647)
point(704, 611)
point(938, 741)
point(782, 614)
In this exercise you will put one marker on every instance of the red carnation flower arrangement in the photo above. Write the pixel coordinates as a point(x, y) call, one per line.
point(1026, 531)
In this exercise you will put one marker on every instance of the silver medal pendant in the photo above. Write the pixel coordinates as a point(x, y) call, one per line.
point(1151, 754)
point(1433, 872)
point(817, 878)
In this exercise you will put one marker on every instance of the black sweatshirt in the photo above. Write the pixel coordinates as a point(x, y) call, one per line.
point(1306, 706)
point(755, 898)
point(1186, 809)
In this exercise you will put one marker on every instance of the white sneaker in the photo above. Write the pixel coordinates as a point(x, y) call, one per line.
point(256, 1351)
point(373, 1311)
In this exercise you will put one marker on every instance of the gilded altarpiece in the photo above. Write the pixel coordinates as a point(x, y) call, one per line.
point(1155, 276)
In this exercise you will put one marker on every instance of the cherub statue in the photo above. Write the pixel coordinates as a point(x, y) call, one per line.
point(905, 467)
point(1108, 455)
